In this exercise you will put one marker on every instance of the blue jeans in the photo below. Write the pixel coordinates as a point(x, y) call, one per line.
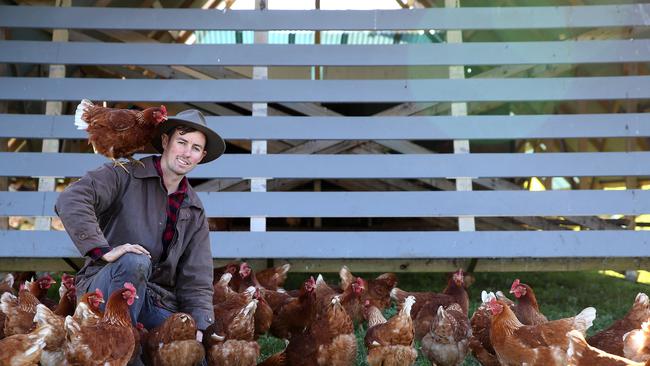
point(134, 268)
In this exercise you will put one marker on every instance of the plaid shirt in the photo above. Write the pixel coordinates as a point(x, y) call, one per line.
point(174, 201)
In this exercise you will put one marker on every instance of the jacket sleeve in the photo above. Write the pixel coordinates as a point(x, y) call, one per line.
point(194, 277)
point(82, 202)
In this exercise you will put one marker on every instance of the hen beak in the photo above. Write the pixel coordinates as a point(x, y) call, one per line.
point(101, 301)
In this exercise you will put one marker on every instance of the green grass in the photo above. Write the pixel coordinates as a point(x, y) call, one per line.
point(560, 295)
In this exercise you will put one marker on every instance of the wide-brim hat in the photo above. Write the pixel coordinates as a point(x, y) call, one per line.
point(214, 144)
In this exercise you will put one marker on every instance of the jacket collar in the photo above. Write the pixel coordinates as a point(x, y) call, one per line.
point(149, 171)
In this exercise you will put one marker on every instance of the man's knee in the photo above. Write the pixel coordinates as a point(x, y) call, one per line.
point(134, 263)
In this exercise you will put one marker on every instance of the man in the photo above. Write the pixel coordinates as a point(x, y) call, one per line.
point(147, 226)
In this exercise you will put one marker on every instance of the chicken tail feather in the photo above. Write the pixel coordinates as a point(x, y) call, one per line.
point(585, 319)
point(78, 115)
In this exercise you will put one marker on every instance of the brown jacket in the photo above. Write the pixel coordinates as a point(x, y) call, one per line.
point(109, 207)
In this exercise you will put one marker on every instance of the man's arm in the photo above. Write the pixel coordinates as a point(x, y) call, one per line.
point(80, 205)
point(194, 278)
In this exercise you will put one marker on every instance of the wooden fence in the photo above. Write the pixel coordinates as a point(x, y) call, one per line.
point(507, 82)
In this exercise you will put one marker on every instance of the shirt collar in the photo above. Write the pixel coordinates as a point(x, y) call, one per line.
point(182, 186)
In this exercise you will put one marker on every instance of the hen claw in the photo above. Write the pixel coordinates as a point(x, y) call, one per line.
point(134, 161)
point(121, 164)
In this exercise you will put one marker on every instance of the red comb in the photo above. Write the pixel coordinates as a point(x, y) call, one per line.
point(515, 283)
point(163, 108)
point(139, 326)
point(99, 293)
point(129, 286)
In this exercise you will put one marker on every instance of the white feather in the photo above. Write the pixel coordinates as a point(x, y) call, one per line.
point(6, 300)
point(225, 279)
point(487, 296)
point(585, 319)
point(81, 108)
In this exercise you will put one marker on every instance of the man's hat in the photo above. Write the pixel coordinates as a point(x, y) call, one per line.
point(214, 145)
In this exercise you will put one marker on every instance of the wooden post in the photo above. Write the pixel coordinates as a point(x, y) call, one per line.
point(466, 223)
point(259, 110)
point(316, 68)
point(631, 106)
point(318, 222)
point(52, 108)
point(4, 108)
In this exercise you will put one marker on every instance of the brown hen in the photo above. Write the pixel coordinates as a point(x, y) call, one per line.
point(377, 291)
point(454, 292)
point(580, 353)
point(110, 342)
point(174, 342)
point(480, 343)
point(447, 342)
point(390, 342)
point(6, 285)
point(527, 308)
point(19, 312)
point(329, 341)
point(294, 314)
point(230, 340)
point(636, 344)
point(543, 344)
point(23, 349)
point(87, 312)
point(610, 340)
point(118, 133)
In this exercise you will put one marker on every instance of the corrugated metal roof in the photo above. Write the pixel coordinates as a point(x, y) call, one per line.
point(327, 37)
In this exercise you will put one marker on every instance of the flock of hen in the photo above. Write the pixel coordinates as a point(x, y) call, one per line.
point(317, 323)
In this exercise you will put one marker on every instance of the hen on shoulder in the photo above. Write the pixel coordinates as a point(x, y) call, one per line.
point(118, 133)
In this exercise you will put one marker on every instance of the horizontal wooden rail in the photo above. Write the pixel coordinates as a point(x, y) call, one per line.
point(358, 166)
point(383, 204)
point(372, 128)
point(367, 91)
point(481, 53)
point(385, 245)
point(528, 17)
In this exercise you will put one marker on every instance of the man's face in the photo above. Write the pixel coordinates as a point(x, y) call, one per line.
point(182, 152)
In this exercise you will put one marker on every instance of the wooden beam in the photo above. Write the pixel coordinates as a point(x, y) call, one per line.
point(449, 265)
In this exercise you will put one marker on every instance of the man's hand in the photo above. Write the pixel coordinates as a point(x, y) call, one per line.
point(119, 251)
point(199, 336)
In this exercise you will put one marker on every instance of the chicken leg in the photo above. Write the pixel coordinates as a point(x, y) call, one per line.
point(121, 164)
